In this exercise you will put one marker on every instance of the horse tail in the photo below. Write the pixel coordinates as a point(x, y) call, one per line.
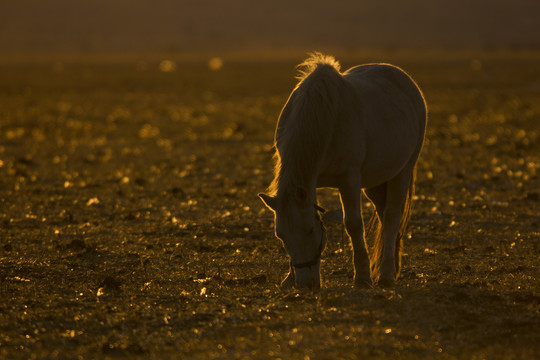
point(407, 210)
point(377, 251)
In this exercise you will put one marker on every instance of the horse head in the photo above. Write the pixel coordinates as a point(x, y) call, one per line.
point(300, 228)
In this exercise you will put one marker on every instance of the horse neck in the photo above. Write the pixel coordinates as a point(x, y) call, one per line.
point(305, 129)
point(300, 158)
point(290, 181)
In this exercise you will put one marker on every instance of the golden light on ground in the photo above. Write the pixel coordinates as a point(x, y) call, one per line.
point(215, 63)
point(167, 66)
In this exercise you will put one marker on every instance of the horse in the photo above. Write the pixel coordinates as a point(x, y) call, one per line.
point(361, 130)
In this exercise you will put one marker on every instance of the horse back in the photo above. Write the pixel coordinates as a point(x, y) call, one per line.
point(388, 83)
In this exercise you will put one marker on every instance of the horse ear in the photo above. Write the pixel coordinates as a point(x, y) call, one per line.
point(269, 201)
point(301, 193)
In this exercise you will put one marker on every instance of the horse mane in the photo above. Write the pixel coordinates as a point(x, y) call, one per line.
point(314, 61)
point(306, 123)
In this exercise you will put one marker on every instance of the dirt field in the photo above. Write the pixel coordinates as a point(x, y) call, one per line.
point(130, 225)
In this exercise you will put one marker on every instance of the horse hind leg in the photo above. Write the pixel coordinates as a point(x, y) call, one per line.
point(354, 224)
point(394, 219)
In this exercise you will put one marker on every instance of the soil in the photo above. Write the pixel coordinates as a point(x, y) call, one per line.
point(130, 225)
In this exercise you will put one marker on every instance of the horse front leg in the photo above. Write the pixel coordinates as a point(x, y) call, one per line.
point(354, 224)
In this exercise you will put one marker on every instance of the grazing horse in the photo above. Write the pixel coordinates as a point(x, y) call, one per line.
point(360, 130)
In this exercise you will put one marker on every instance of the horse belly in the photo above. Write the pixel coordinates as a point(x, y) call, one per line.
point(389, 150)
point(372, 160)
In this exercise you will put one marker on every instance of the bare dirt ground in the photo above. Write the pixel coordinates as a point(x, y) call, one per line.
point(130, 226)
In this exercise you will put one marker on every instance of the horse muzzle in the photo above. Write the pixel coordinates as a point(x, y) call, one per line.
point(308, 277)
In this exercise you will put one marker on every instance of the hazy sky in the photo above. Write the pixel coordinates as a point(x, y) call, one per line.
point(232, 25)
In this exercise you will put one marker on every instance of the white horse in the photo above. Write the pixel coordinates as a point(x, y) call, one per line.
point(358, 130)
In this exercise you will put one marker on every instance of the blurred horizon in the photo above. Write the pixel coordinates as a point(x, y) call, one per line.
point(241, 26)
